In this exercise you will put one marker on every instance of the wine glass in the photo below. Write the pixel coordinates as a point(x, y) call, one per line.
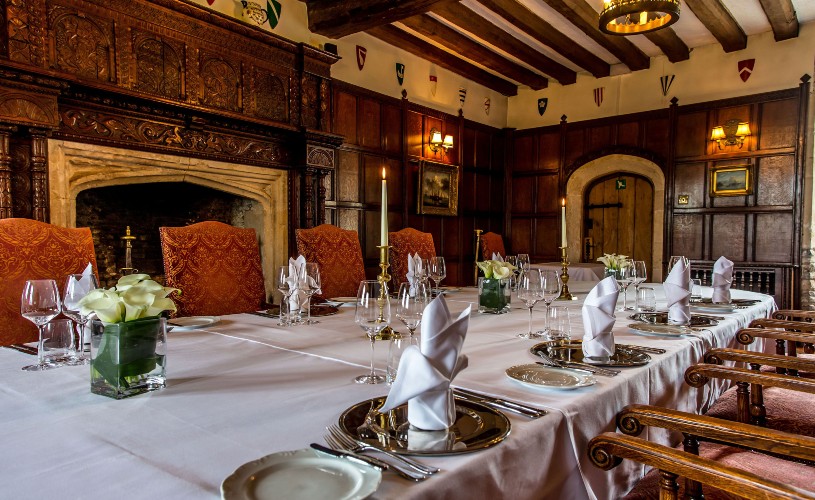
point(513, 261)
point(624, 276)
point(640, 275)
point(412, 300)
point(287, 285)
point(77, 286)
point(40, 304)
point(310, 284)
point(674, 260)
point(437, 271)
point(373, 313)
point(530, 291)
point(550, 287)
point(523, 263)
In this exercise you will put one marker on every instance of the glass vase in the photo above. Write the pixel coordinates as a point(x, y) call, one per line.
point(128, 358)
point(493, 295)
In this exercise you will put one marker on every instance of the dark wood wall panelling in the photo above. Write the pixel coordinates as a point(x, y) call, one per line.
point(382, 131)
point(761, 232)
point(159, 75)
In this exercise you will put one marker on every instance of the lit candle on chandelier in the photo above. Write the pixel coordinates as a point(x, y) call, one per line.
point(563, 222)
point(384, 222)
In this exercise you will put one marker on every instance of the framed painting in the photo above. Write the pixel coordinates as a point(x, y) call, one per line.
point(438, 189)
point(732, 180)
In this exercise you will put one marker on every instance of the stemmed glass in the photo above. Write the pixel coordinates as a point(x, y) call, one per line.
point(287, 285)
point(674, 260)
point(373, 313)
point(77, 286)
point(310, 285)
point(523, 263)
point(513, 261)
point(624, 277)
point(437, 271)
point(40, 304)
point(530, 291)
point(412, 300)
point(640, 275)
point(550, 287)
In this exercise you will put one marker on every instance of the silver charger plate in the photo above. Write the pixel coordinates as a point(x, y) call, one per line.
point(661, 318)
point(477, 427)
point(733, 302)
point(573, 351)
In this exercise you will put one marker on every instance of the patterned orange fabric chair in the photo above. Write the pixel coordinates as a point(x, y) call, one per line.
point(216, 266)
point(492, 243)
point(339, 255)
point(31, 249)
point(404, 242)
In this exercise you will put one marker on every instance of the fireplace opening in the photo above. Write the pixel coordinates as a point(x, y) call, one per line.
point(108, 211)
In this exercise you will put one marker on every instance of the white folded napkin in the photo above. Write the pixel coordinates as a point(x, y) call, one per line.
point(424, 373)
point(415, 272)
point(297, 275)
point(677, 292)
point(598, 319)
point(497, 256)
point(722, 278)
point(82, 287)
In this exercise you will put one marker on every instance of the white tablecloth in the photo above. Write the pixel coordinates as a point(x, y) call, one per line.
point(245, 388)
point(583, 271)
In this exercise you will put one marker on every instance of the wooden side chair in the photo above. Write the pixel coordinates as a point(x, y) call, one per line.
point(216, 266)
point(339, 255)
point(404, 242)
point(31, 249)
point(492, 243)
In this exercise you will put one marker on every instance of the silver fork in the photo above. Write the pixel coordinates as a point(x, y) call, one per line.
point(413, 476)
point(357, 446)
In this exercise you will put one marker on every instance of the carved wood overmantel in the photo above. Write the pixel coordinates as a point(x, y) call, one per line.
point(167, 76)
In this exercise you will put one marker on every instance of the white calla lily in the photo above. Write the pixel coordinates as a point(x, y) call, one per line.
point(496, 269)
point(134, 297)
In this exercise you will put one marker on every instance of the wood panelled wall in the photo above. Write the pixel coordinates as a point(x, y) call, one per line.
point(382, 131)
point(761, 232)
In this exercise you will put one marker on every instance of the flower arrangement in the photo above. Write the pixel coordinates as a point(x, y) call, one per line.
point(614, 261)
point(496, 269)
point(135, 296)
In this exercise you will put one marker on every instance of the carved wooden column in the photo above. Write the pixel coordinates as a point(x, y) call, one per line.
point(321, 191)
point(39, 174)
point(5, 173)
point(308, 197)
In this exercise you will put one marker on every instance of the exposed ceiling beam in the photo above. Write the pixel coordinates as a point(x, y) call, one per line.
point(781, 14)
point(338, 19)
point(670, 44)
point(417, 46)
point(718, 20)
point(529, 22)
point(586, 18)
point(474, 51)
point(470, 21)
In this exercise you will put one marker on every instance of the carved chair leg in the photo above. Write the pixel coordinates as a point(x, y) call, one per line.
point(781, 351)
point(743, 402)
point(758, 412)
point(668, 487)
point(693, 489)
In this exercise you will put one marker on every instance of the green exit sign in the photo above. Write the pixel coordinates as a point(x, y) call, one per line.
point(620, 184)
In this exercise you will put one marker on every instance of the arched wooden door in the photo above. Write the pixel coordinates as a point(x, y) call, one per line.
point(618, 217)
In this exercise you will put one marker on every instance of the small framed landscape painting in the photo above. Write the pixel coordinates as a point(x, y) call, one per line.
point(438, 189)
point(732, 180)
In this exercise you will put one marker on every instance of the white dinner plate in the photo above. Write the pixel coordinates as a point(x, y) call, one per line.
point(344, 300)
point(300, 474)
point(192, 322)
point(662, 330)
point(539, 376)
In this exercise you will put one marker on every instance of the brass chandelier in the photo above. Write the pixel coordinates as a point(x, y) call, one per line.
point(635, 17)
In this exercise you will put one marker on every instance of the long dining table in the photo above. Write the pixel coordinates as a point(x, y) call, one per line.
point(245, 387)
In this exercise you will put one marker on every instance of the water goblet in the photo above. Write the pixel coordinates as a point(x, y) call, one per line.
point(623, 276)
point(412, 300)
point(522, 263)
point(646, 299)
point(286, 285)
point(530, 291)
point(437, 271)
point(309, 285)
point(40, 304)
point(640, 275)
point(550, 286)
point(560, 324)
point(373, 313)
point(513, 261)
point(77, 286)
point(674, 260)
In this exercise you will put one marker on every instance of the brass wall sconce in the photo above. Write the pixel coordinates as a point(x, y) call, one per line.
point(437, 143)
point(732, 133)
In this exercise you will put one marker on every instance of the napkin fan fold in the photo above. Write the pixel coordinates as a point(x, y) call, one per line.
point(598, 319)
point(677, 292)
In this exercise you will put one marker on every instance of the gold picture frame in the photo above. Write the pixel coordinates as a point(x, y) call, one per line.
point(437, 189)
point(732, 180)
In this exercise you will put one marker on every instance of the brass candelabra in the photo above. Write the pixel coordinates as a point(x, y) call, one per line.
point(564, 276)
point(383, 279)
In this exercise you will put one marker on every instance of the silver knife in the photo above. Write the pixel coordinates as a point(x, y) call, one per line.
point(512, 406)
point(351, 457)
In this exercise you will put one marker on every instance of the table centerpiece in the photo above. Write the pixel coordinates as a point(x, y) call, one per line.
point(494, 291)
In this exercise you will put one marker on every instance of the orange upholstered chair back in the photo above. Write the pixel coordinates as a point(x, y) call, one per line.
point(29, 250)
point(492, 243)
point(339, 255)
point(216, 266)
point(404, 242)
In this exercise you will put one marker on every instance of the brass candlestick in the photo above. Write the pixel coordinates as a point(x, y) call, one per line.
point(383, 278)
point(128, 268)
point(477, 251)
point(564, 276)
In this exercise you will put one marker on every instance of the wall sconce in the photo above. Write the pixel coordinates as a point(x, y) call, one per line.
point(731, 133)
point(436, 141)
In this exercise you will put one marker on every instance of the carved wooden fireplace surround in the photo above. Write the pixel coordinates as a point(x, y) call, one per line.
point(164, 76)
